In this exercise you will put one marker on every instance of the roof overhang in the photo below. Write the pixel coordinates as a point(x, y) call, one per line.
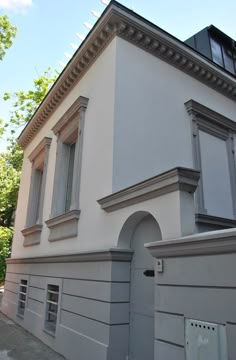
point(117, 20)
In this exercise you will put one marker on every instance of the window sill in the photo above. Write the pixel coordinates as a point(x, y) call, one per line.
point(32, 235)
point(64, 226)
point(215, 220)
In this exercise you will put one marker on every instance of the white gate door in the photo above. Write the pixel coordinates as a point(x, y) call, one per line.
point(141, 340)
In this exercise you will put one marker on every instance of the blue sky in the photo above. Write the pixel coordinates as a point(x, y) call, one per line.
point(47, 27)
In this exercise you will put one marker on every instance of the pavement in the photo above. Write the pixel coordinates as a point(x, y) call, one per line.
point(18, 344)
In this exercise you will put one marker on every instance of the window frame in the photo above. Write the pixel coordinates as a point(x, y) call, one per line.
point(217, 125)
point(22, 313)
point(59, 283)
point(69, 130)
point(39, 160)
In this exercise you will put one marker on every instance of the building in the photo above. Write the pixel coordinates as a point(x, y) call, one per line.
point(133, 145)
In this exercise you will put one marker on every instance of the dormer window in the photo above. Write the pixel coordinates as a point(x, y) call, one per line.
point(223, 54)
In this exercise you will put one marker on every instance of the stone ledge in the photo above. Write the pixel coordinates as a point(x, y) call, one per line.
point(179, 178)
point(112, 254)
point(64, 226)
point(208, 243)
point(32, 235)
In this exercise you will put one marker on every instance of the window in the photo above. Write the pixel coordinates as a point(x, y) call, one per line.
point(213, 153)
point(22, 297)
point(65, 212)
point(223, 54)
point(52, 308)
point(39, 159)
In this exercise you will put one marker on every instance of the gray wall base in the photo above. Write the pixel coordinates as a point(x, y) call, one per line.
point(200, 287)
point(93, 317)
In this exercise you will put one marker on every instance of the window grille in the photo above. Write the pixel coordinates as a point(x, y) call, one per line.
point(22, 297)
point(52, 308)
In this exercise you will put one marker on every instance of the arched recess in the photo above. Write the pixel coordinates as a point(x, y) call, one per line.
point(129, 226)
point(140, 228)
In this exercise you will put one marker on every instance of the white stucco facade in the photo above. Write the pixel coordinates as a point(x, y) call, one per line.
point(147, 119)
point(131, 133)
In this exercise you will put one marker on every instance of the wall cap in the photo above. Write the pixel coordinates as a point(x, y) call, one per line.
point(179, 178)
point(208, 243)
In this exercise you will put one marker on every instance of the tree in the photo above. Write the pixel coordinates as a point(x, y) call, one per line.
point(24, 105)
point(9, 184)
point(7, 34)
point(5, 244)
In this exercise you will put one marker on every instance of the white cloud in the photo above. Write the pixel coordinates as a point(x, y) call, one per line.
point(15, 5)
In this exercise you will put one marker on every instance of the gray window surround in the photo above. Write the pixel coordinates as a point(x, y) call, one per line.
point(51, 316)
point(63, 224)
point(39, 160)
point(24, 278)
point(57, 282)
point(215, 124)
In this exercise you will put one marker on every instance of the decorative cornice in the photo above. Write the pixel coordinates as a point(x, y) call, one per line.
point(117, 20)
point(176, 179)
point(46, 142)
point(70, 215)
point(64, 226)
point(32, 235)
point(200, 111)
point(37, 228)
point(209, 243)
point(113, 254)
point(215, 220)
point(81, 102)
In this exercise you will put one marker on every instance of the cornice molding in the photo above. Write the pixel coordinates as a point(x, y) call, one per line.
point(32, 235)
point(45, 142)
point(32, 229)
point(74, 109)
point(210, 243)
point(181, 179)
point(64, 226)
point(119, 21)
point(215, 220)
point(113, 254)
point(198, 110)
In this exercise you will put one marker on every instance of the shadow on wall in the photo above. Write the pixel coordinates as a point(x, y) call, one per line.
point(129, 227)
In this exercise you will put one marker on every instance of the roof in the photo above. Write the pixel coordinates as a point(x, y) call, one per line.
point(117, 20)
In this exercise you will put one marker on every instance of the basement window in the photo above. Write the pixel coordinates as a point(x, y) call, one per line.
point(52, 308)
point(22, 297)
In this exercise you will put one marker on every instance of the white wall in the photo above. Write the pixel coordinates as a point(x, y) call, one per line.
point(152, 127)
point(152, 133)
point(96, 174)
